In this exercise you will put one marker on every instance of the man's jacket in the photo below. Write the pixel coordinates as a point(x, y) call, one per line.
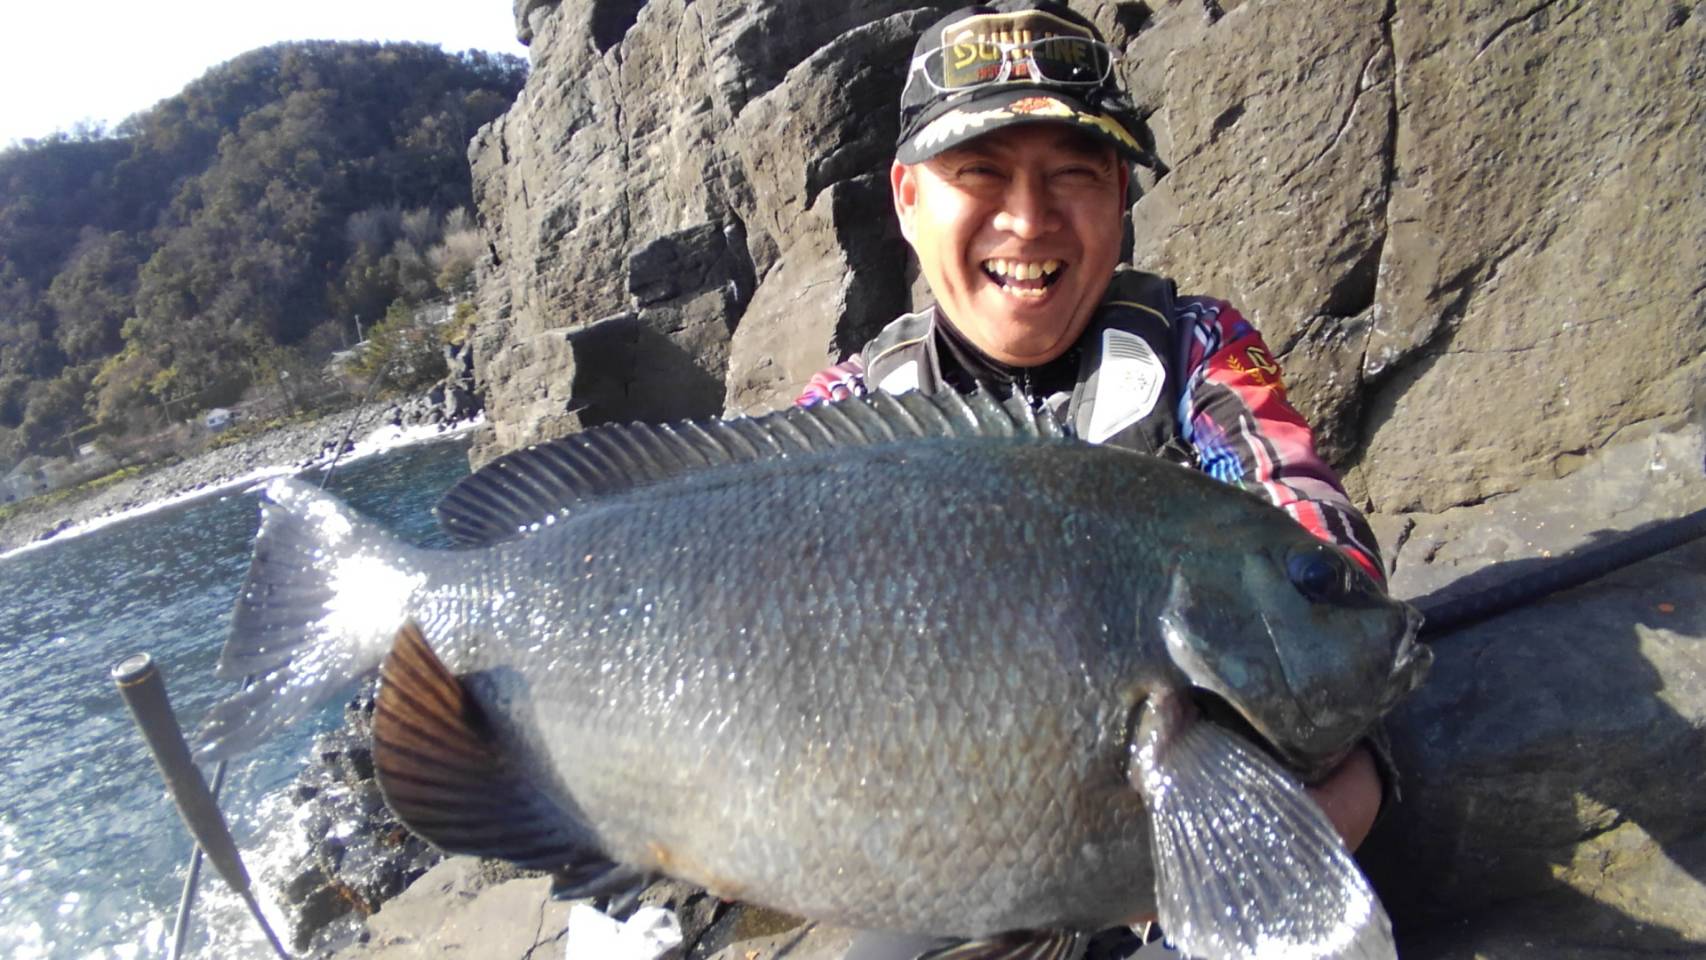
point(1181, 377)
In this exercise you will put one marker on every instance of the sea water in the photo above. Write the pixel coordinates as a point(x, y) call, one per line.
point(92, 854)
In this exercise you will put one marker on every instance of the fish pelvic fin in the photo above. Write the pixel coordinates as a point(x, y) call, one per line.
point(448, 779)
point(325, 592)
point(1246, 864)
point(1015, 945)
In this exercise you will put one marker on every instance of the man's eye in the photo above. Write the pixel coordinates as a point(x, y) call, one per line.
point(1078, 173)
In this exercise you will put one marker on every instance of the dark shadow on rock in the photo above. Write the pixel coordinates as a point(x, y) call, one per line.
point(1546, 757)
point(632, 367)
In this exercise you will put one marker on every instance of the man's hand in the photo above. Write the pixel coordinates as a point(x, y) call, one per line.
point(1350, 796)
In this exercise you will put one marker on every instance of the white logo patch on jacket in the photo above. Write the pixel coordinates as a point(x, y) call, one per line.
point(1127, 385)
point(901, 379)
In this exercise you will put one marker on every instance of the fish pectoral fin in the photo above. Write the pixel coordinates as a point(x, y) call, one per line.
point(448, 780)
point(1015, 945)
point(1246, 865)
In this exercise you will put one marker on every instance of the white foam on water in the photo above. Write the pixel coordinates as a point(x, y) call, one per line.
point(23, 939)
point(221, 925)
point(222, 928)
point(378, 441)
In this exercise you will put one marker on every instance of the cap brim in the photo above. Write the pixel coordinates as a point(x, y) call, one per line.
point(1008, 107)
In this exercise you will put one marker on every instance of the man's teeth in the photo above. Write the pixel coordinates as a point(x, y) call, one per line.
point(1022, 269)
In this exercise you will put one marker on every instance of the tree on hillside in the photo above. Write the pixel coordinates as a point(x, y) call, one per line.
point(282, 193)
point(457, 255)
point(93, 294)
point(49, 192)
point(402, 352)
point(414, 255)
point(53, 409)
point(26, 325)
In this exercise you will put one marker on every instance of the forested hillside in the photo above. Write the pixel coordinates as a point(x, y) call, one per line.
point(233, 232)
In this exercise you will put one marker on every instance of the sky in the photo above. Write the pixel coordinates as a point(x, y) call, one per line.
point(103, 60)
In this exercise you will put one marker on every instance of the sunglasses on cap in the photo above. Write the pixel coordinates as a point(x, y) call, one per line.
point(1066, 60)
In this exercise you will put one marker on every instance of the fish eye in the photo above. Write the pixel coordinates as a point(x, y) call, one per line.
point(1318, 572)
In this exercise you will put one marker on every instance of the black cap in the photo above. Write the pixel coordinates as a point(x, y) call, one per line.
point(966, 79)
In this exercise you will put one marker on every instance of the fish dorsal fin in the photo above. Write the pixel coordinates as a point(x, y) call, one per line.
point(446, 778)
point(529, 488)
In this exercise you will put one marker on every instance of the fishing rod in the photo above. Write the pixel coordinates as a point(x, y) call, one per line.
point(143, 690)
point(140, 684)
point(1571, 570)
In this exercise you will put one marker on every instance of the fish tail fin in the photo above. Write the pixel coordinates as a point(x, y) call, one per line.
point(325, 593)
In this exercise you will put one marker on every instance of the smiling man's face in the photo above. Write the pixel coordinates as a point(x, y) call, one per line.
point(1018, 232)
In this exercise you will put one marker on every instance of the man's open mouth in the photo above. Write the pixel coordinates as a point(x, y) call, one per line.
point(1024, 278)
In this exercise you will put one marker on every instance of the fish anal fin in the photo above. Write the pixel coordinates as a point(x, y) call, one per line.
point(1014, 945)
point(449, 780)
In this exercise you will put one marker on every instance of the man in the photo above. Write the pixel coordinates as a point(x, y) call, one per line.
point(1010, 184)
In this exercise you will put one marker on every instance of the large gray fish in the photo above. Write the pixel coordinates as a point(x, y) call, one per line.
point(907, 664)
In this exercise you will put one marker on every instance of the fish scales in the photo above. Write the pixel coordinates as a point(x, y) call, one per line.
point(731, 679)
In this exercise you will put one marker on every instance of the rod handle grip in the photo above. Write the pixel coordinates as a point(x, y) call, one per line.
point(140, 683)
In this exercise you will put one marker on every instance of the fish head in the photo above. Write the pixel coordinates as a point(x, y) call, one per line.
point(1299, 642)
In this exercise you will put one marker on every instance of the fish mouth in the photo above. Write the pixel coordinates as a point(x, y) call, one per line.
point(1331, 731)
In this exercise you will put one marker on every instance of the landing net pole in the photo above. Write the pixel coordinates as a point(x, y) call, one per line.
point(144, 692)
point(349, 428)
point(186, 901)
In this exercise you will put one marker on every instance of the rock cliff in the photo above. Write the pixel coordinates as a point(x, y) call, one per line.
point(686, 205)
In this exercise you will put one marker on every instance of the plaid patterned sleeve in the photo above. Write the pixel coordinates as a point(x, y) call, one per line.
point(837, 382)
point(1234, 412)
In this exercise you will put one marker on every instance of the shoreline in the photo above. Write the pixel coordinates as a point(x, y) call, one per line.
point(289, 449)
